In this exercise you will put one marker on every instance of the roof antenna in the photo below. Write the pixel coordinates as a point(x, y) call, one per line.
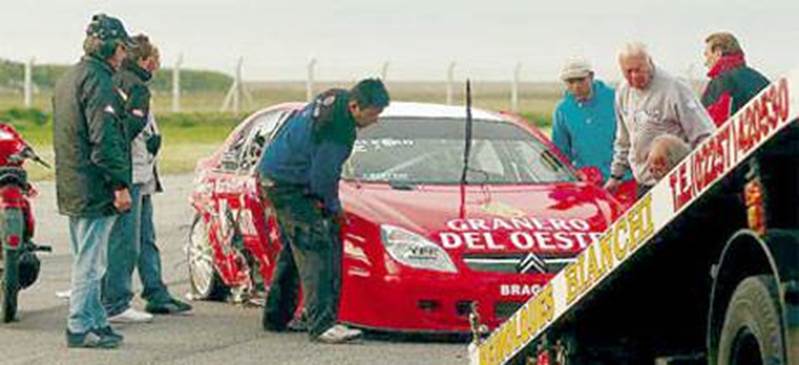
point(467, 147)
point(468, 135)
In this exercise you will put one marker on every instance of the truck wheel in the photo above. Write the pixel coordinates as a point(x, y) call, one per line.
point(205, 281)
point(751, 333)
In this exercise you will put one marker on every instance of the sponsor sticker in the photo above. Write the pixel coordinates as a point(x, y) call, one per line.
point(519, 233)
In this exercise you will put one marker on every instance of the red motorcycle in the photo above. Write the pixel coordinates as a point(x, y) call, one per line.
point(20, 266)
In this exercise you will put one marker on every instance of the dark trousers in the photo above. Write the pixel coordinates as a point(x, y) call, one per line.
point(310, 255)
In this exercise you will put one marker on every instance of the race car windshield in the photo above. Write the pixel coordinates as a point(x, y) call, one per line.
point(430, 151)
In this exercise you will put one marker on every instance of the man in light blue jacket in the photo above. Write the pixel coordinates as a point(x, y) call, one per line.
point(584, 121)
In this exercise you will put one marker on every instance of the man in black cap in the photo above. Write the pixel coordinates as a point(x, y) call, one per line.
point(93, 171)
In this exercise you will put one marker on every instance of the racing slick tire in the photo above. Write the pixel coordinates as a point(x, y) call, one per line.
point(205, 281)
point(751, 333)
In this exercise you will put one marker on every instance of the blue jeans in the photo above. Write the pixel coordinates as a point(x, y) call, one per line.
point(89, 244)
point(149, 263)
point(132, 245)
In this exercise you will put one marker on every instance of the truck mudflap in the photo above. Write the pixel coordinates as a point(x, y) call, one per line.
point(774, 109)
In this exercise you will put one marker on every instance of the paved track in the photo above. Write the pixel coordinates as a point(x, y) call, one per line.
point(216, 333)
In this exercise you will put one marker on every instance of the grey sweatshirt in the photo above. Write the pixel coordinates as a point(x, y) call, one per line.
point(143, 160)
point(666, 106)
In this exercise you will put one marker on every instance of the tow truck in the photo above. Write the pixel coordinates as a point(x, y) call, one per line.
point(702, 269)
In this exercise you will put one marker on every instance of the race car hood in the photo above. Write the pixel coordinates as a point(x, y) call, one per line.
point(552, 219)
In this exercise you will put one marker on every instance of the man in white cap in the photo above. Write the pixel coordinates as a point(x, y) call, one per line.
point(584, 121)
point(649, 104)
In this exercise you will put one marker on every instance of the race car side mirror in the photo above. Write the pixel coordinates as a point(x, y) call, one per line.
point(590, 174)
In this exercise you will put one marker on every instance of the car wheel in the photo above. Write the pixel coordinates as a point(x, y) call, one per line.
point(205, 281)
point(751, 333)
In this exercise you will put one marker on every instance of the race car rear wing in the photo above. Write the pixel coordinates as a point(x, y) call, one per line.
point(772, 110)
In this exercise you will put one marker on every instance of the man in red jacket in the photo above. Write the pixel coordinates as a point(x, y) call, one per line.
point(732, 83)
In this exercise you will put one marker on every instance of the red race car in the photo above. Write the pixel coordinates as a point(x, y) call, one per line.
point(421, 245)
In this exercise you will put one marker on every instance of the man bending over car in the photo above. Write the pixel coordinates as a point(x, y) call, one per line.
point(300, 172)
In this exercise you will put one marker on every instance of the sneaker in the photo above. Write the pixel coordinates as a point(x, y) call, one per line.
point(91, 340)
point(131, 315)
point(108, 331)
point(173, 306)
point(339, 334)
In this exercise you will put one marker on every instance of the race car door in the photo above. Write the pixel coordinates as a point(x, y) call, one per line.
point(255, 219)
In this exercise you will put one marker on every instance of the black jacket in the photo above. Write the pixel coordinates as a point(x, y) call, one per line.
point(131, 82)
point(92, 157)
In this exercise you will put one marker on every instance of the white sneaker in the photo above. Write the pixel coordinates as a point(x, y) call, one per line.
point(339, 334)
point(131, 315)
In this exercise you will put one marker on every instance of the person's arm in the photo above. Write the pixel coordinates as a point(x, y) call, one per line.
point(717, 100)
point(621, 144)
point(137, 109)
point(106, 137)
point(326, 161)
point(692, 117)
point(560, 135)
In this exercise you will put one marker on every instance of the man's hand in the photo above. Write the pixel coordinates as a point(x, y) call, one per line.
point(612, 184)
point(122, 200)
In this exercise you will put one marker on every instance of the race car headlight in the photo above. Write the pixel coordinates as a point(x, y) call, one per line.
point(414, 250)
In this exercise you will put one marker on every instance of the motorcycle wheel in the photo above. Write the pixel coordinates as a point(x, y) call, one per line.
point(2, 291)
point(8, 287)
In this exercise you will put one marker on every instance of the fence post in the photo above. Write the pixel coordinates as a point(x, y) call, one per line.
point(450, 77)
point(237, 83)
point(28, 88)
point(232, 96)
point(384, 71)
point(176, 84)
point(310, 80)
point(514, 90)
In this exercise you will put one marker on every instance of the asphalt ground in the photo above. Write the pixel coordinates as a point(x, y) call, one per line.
point(215, 333)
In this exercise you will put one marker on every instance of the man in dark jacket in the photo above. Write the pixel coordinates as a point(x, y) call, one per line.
point(300, 173)
point(732, 83)
point(93, 172)
point(132, 243)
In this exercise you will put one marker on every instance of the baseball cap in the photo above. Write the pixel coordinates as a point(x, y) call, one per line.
point(107, 28)
point(575, 67)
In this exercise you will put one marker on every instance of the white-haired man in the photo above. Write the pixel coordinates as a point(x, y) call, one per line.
point(651, 103)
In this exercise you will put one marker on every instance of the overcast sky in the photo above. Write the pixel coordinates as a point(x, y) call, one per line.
point(352, 38)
